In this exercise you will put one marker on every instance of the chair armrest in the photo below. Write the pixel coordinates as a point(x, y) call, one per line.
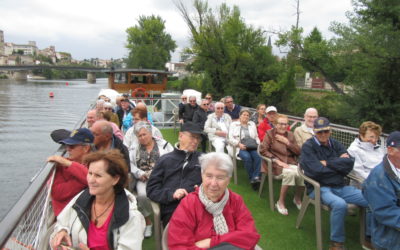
point(314, 183)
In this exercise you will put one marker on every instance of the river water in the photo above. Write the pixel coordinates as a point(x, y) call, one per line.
point(27, 116)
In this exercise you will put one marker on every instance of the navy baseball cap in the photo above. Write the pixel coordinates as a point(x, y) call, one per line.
point(321, 124)
point(192, 128)
point(79, 136)
point(393, 140)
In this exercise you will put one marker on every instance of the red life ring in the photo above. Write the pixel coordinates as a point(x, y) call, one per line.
point(140, 92)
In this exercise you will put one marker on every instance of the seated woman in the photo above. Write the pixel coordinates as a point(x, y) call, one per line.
point(239, 132)
point(212, 214)
point(144, 156)
point(365, 150)
point(217, 127)
point(105, 215)
point(259, 116)
point(280, 145)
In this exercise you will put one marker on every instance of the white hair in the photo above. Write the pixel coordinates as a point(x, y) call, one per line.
point(219, 160)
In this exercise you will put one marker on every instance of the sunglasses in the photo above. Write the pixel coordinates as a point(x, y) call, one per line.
point(208, 98)
point(205, 104)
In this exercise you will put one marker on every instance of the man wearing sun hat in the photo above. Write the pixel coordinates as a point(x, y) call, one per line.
point(382, 191)
point(176, 173)
point(70, 177)
point(326, 161)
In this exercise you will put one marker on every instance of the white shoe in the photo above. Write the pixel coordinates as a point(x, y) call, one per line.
point(148, 231)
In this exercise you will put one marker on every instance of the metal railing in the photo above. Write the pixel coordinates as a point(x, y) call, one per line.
point(27, 223)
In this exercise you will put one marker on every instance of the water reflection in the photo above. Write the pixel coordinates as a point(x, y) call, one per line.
point(27, 116)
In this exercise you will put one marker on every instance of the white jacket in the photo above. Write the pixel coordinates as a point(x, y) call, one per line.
point(163, 147)
point(234, 133)
point(211, 126)
point(366, 157)
point(128, 236)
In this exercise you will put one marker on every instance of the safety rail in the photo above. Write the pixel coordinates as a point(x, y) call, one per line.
point(26, 224)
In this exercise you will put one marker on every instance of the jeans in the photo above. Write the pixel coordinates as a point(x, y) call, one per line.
point(337, 198)
point(252, 163)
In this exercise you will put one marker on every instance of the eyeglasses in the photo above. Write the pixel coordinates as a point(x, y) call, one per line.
point(228, 101)
point(192, 101)
point(208, 98)
point(184, 98)
point(218, 178)
point(282, 124)
point(108, 108)
point(219, 108)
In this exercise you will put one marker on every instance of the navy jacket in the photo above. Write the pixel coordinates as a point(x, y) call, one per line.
point(337, 168)
point(186, 112)
point(169, 175)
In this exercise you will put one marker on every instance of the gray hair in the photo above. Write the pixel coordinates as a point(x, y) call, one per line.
point(219, 104)
point(220, 160)
point(311, 109)
point(192, 96)
point(142, 124)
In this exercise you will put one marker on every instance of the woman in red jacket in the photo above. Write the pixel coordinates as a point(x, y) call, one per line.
point(212, 214)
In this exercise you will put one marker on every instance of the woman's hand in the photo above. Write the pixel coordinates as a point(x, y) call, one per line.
point(282, 139)
point(60, 160)
point(143, 177)
point(221, 133)
point(281, 163)
point(242, 146)
point(205, 243)
point(83, 247)
point(61, 237)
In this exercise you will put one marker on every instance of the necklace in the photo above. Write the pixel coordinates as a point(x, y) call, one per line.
point(98, 216)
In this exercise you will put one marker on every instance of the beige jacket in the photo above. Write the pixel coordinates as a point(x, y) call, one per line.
point(211, 126)
point(301, 134)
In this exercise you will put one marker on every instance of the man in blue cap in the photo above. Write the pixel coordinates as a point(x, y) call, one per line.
point(326, 160)
point(70, 177)
point(382, 191)
point(176, 173)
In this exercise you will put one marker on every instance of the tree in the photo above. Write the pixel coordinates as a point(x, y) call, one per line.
point(370, 50)
point(148, 44)
point(232, 54)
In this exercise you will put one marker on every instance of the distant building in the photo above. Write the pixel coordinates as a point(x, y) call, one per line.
point(179, 68)
point(1, 43)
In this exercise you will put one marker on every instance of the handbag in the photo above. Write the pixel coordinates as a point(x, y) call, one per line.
point(250, 143)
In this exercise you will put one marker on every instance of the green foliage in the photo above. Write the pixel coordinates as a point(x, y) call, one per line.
point(199, 82)
point(370, 48)
point(232, 54)
point(148, 44)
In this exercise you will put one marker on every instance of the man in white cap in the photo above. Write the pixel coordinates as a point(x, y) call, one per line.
point(267, 124)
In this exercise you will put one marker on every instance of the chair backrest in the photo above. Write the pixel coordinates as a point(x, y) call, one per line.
point(164, 240)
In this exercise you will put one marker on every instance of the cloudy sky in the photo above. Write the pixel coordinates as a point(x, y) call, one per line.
point(96, 28)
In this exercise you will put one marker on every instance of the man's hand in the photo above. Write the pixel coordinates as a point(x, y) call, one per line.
point(180, 193)
point(242, 146)
point(60, 160)
point(205, 243)
point(323, 163)
point(181, 121)
point(345, 155)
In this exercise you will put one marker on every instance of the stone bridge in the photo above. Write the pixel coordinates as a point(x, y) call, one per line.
point(20, 72)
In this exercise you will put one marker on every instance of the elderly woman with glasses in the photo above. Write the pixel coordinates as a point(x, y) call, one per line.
point(281, 147)
point(103, 216)
point(143, 156)
point(210, 102)
point(366, 151)
point(212, 215)
point(217, 127)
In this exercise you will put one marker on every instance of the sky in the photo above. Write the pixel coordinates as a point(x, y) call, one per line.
point(97, 28)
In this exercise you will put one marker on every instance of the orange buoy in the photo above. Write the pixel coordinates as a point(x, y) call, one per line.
point(51, 94)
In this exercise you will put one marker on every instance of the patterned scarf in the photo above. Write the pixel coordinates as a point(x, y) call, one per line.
point(216, 208)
